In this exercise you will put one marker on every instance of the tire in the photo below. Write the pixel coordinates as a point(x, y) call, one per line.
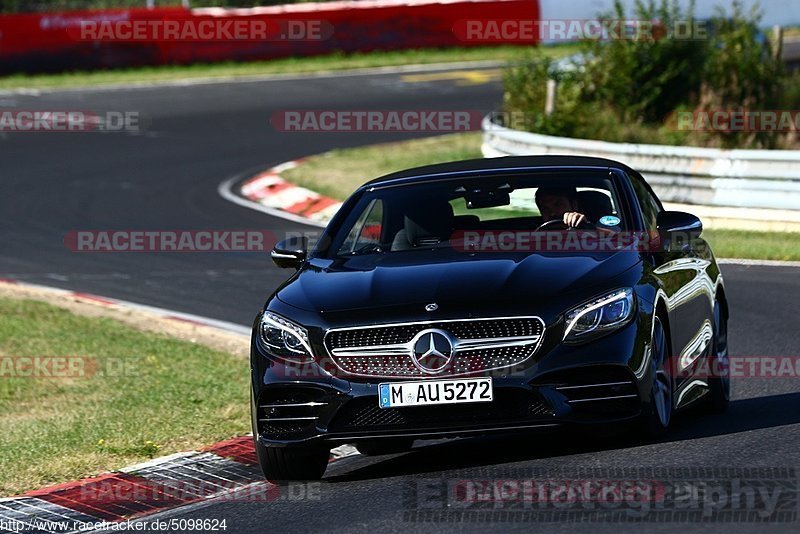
point(719, 382)
point(657, 411)
point(377, 448)
point(283, 464)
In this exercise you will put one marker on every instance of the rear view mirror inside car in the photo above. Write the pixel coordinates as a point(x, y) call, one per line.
point(487, 199)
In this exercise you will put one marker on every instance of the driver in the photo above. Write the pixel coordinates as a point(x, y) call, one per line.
point(561, 204)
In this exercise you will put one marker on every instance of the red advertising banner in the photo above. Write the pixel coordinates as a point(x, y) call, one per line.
point(120, 38)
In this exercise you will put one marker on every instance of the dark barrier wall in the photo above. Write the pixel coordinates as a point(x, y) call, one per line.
point(105, 39)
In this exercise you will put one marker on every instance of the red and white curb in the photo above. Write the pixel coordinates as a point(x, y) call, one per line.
point(267, 191)
point(226, 469)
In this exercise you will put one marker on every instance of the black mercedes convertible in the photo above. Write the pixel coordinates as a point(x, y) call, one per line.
point(501, 295)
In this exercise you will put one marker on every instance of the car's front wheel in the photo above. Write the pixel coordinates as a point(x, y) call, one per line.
point(657, 410)
point(280, 464)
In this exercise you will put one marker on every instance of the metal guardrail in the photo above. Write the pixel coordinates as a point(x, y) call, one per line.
point(791, 52)
point(689, 175)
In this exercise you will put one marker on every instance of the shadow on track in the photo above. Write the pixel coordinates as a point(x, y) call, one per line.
point(742, 416)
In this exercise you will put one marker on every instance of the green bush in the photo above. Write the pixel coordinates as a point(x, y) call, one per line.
point(645, 78)
point(627, 90)
point(741, 74)
point(525, 90)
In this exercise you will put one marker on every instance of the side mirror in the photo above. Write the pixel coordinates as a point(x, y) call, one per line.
point(290, 252)
point(677, 229)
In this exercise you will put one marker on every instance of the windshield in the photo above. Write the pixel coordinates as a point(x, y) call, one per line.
point(463, 213)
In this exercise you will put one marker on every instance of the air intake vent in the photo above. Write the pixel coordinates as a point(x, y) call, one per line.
point(283, 412)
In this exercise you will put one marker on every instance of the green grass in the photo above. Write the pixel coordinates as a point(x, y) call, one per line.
point(158, 396)
point(296, 65)
point(754, 245)
point(339, 172)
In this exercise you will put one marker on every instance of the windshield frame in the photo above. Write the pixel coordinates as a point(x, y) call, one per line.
point(337, 231)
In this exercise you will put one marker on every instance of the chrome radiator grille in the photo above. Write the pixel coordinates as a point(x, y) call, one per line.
point(477, 345)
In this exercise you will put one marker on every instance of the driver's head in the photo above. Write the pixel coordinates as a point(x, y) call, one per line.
point(554, 202)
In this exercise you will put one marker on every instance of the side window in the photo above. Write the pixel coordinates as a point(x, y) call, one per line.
point(648, 203)
point(366, 231)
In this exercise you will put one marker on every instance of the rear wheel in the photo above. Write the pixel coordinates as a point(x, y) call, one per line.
point(657, 411)
point(376, 448)
point(719, 382)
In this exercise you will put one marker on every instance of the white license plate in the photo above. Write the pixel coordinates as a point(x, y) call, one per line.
point(427, 392)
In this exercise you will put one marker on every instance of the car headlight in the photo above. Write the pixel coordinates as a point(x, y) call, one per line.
point(285, 339)
point(599, 316)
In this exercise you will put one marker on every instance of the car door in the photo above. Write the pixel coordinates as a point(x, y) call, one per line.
point(688, 291)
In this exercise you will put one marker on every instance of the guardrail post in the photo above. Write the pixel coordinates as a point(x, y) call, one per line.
point(550, 100)
point(777, 42)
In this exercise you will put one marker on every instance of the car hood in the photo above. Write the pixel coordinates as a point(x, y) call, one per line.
point(468, 283)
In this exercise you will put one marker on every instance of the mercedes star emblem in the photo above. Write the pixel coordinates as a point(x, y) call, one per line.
point(433, 350)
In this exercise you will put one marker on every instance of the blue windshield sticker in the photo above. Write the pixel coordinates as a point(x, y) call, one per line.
point(609, 220)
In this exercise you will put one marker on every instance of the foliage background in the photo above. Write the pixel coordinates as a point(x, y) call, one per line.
point(628, 90)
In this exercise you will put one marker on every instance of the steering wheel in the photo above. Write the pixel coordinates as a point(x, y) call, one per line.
point(558, 224)
point(552, 223)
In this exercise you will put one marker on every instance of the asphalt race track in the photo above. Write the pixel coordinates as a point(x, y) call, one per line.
point(166, 178)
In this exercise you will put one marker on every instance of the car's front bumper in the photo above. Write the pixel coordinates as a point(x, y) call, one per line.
point(598, 382)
